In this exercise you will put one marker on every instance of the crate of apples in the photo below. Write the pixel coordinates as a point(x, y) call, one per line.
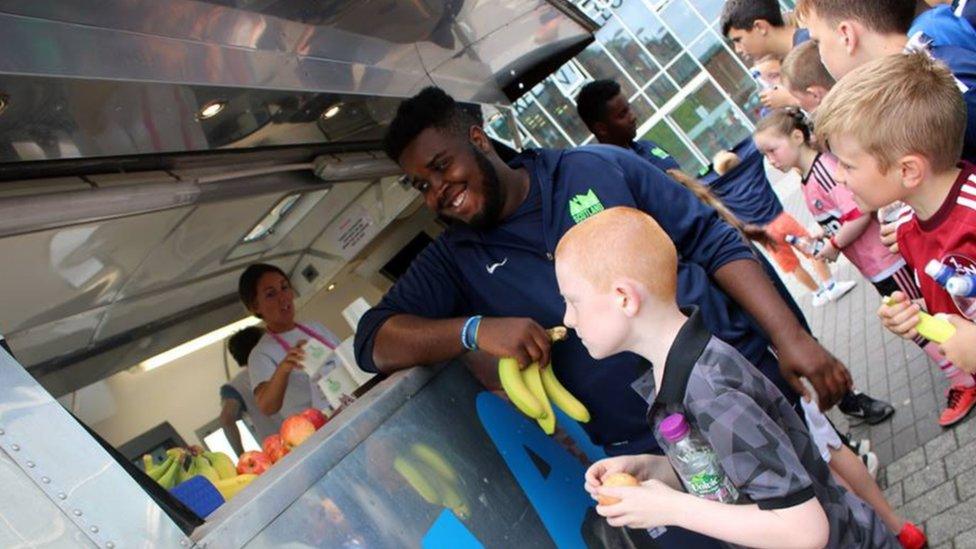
point(294, 431)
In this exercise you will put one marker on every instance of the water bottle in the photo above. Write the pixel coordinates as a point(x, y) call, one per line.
point(960, 286)
point(939, 272)
point(892, 212)
point(806, 245)
point(696, 462)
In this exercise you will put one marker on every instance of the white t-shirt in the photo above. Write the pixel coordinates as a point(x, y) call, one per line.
point(264, 360)
point(263, 425)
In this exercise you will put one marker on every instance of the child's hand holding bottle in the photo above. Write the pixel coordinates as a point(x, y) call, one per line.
point(960, 349)
point(900, 316)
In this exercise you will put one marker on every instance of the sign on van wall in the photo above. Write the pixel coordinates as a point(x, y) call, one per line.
point(350, 232)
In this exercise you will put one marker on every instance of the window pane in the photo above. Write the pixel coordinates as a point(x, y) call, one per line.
point(663, 135)
point(661, 90)
point(709, 120)
point(711, 10)
point(562, 110)
point(650, 31)
point(498, 125)
point(627, 51)
point(540, 127)
point(683, 70)
point(728, 72)
point(642, 109)
point(599, 65)
point(682, 20)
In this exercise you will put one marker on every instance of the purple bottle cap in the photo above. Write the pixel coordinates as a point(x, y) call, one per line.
point(674, 428)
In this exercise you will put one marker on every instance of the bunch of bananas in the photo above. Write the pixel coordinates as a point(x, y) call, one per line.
point(433, 478)
point(533, 389)
point(182, 464)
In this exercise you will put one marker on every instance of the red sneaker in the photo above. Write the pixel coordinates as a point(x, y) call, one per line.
point(911, 537)
point(960, 400)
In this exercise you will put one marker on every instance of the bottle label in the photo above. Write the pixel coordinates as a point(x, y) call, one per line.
point(705, 484)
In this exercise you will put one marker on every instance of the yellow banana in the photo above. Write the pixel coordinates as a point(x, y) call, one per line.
point(415, 476)
point(518, 393)
point(563, 398)
point(157, 471)
point(204, 468)
point(222, 463)
point(452, 498)
point(435, 461)
point(147, 462)
point(533, 380)
point(168, 479)
point(229, 487)
point(175, 452)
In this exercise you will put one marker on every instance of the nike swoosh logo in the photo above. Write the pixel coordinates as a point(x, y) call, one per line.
point(491, 268)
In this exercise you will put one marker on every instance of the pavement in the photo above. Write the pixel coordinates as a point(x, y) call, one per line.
point(928, 473)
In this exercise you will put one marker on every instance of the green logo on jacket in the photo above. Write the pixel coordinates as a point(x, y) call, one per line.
point(583, 206)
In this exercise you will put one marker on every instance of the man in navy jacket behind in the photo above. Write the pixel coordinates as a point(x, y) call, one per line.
point(495, 260)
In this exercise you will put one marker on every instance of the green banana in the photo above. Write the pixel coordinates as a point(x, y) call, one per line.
point(204, 468)
point(435, 461)
point(532, 378)
point(414, 476)
point(157, 471)
point(514, 385)
point(222, 463)
point(229, 487)
point(168, 479)
point(563, 398)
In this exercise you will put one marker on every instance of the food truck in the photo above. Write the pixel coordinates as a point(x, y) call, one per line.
point(149, 151)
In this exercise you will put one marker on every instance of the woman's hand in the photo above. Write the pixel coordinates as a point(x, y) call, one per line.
point(646, 506)
point(294, 358)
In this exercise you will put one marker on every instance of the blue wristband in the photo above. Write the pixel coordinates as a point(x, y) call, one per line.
point(469, 333)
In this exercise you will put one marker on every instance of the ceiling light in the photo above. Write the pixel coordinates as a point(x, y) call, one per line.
point(332, 111)
point(331, 287)
point(4, 102)
point(181, 351)
point(211, 109)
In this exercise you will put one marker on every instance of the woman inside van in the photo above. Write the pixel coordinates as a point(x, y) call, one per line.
point(277, 365)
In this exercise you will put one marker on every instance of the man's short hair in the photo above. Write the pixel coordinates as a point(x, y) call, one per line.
point(431, 108)
point(622, 242)
point(882, 16)
point(243, 342)
point(591, 102)
point(802, 68)
point(743, 14)
point(895, 106)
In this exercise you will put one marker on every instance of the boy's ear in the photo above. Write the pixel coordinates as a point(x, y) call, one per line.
point(628, 298)
point(912, 169)
point(818, 92)
point(762, 26)
point(849, 36)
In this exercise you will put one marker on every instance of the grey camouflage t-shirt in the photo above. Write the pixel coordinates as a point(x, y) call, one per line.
point(763, 445)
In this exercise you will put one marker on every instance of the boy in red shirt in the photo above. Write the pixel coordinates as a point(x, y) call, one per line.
point(896, 125)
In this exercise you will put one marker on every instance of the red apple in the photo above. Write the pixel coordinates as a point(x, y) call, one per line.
point(315, 416)
point(296, 430)
point(274, 447)
point(253, 463)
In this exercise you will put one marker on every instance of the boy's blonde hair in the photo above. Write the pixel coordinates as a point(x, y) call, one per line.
point(895, 106)
point(803, 69)
point(622, 242)
point(881, 16)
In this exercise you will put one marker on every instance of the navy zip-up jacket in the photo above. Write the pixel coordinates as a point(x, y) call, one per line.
point(509, 271)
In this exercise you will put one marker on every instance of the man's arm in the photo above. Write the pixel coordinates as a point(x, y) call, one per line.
point(230, 411)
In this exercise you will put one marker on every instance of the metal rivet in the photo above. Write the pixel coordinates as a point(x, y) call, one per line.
point(93, 529)
point(15, 448)
point(109, 545)
point(2, 432)
point(183, 542)
point(76, 512)
point(62, 495)
point(30, 464)
point(46, 480)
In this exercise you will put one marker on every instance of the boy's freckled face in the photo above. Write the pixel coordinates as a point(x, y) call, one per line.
point(594, 315)
point(859, 171)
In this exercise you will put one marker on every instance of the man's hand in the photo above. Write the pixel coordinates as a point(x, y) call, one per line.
point(520, 338)
point(960, 349)
point(804, 357)
point(900, 316)
point(889, 236)
point(649, 505)
point(829, 253)
point(778, 97)
point(638, 466)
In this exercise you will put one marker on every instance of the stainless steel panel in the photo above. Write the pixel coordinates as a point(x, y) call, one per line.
point(72, 471)
point(60, 337)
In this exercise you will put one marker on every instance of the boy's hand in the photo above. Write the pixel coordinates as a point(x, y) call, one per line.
point(777, 98)
point(960, 349)
point(889, 236)
point(646, 506)
point(900, 316)
point(828, 253)
point(638, 466)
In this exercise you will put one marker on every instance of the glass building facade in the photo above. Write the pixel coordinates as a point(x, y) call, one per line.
point(690, 91)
